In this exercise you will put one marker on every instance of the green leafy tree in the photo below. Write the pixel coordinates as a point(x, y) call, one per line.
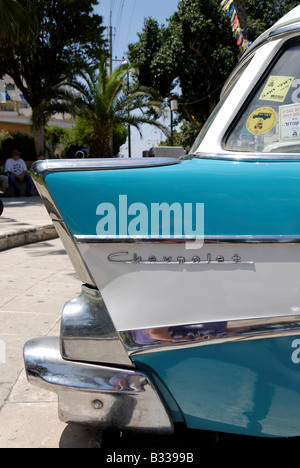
point(22, 141)
point(109, 103)
point(192, 56)
point(262, 15)
point(69, 36)
point(148, 52)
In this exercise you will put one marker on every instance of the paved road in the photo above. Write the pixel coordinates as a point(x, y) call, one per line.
point(35, 282)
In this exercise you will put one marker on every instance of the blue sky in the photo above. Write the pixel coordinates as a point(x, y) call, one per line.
point(127, 20)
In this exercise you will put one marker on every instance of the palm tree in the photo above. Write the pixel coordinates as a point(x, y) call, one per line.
point(17, 19)
point(108, 101)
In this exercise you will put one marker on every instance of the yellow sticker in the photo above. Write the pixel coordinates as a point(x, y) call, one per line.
point(261, 120)
point(276, 88)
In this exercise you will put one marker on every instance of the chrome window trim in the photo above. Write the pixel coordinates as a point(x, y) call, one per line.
point(277, 32)
point(234, 331)
point(216, 239)
point(246, 157)
point(280, 31)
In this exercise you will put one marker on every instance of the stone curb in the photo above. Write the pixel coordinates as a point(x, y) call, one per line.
point(27, 236)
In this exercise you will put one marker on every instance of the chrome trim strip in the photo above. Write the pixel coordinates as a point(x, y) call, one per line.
point(203, 334)
point(87, 332)
point(286, 29)
point(240, 157)
point(215, 239)
point(95, 239)
point(111, 397)
point(42, 168)
point(277, 32)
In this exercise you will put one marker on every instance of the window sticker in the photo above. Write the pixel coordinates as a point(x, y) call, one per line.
point(289, 122)
point(261, 120)
point(276, 88)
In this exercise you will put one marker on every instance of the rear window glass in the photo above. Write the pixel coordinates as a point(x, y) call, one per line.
point(271, 121)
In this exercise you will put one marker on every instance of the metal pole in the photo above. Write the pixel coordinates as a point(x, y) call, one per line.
point(171, 138)
point(174, 107)
point(110, 43)
point(129, 142)
point(111, 142)
point(129, 131)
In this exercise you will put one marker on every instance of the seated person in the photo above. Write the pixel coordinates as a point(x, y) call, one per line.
point(3, 185)
point(16, 170)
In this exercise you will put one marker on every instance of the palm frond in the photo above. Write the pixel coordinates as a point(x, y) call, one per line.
point(109, 100)
point(17, 19)
point(58, 99)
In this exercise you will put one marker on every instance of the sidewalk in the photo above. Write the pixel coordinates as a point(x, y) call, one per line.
point(24, 221)
point(36, 280)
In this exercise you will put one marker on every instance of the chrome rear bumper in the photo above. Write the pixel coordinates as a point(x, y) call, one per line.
point(110, 397)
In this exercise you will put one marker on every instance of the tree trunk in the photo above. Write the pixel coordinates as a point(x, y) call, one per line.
point(100, 147)
point(39, 141)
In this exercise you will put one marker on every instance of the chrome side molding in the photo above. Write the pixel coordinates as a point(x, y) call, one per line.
point(43, 167)
point(208, 239)
point(203, 334)
point(88, 334)
point(108, 397)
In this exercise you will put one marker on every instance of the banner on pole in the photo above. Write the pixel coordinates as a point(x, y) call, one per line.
point(230, 12)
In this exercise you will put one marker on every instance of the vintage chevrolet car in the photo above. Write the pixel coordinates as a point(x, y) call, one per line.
point(190, 304)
